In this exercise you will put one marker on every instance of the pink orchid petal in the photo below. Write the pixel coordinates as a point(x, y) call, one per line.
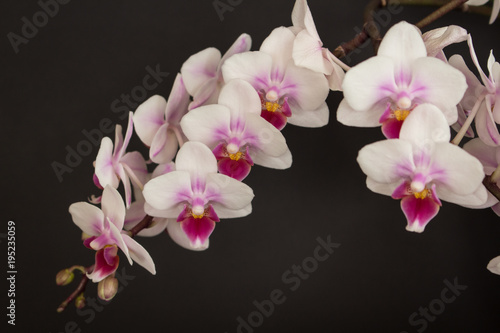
point(228, 192)
point(475, 88)
point(437, 39)
point(175, 232)
point(163, 169)
point(487, 155)
point(197, 159)
point(128, 135)
point(112, 206)
point(485, 125)
point(369, 83)
point(198, 230)
point(117, 236)
point(134, 215)
point(102, 269)
point(370, 118)
point(137, 164)
point(404, 44)
point(104, 168)
point(444, 90)
point(227, 213)
point(263, 136)
point(109, 254)
point(253, 67)
point(208, 124)
point(461, 172)
point(242, 44)
point(382, 188)
point(283, 161)
point(277, 119)
point(302, 18)
point(241, 98)
point(337, 76)
point(207, 94)
point(199, 68)
point(88, 218)
point(494, 265)
point(164, 146)
point(418, 212)
point(139, 254)
point(148, 118)
point(397, 161)
point(391, 128)
point(124, 177)
point(87, 242)
point(308, 53)
point(177, 103)
point(311, 118)
point(238, 170)
point(96, 182)
point(424, 125)
point(167, 191)
point(279, 45)
point(403, 190)
point(486, 81)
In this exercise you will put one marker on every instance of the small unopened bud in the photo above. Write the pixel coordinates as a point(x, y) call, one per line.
point(80, 301)
point(107, 288)
point(64, 277)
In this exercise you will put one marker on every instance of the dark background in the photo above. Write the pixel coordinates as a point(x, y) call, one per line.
point(64, 80)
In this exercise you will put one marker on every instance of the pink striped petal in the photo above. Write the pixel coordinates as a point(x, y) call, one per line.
point(148, 118)
point(88, 218)
point(139, 254)
point(112, 206)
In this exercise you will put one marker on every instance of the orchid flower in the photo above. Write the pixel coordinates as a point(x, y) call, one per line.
point(236, 133)
point(157, 122)
point(286, 90)
point(136, 213)
point(494, 11)
point(113, 165)
point(104, 227)
point(202, 72)
point(494, 265)
point(436, 40)
point(490, 159)
point(384, 89)
point(488, 115)
point(422, 167)
point(196, 195)
point(308, 50)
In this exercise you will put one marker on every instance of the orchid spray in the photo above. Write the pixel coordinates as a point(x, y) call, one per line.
point(225, 115)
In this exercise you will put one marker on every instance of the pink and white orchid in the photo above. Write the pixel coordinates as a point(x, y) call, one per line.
point(488, 114)
point(236, 133)
point(288, 92)
point(202, 72)
point(157, 122)
point(196, 195)
point(308, 50)
point(422, 167)
point(490, 159)
point(384, 89)
point(113, 165)
point(105, 229)
point(436, 40)
point(494, 11)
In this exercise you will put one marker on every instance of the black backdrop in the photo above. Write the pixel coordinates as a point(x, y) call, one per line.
point(64, 80)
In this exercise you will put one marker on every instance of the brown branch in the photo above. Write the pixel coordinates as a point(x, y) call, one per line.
point(79, 289)
point(145, 223)
point(492, 187)
point(443, 10)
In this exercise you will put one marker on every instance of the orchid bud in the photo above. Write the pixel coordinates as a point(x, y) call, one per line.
point(64, 277)
point(107, 288)
point(80, 301)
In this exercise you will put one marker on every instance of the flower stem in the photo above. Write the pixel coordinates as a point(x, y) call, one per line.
point(468, 121)
point(492, 186)
point(443, 10)
point(145, 223)
point(79, 289)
